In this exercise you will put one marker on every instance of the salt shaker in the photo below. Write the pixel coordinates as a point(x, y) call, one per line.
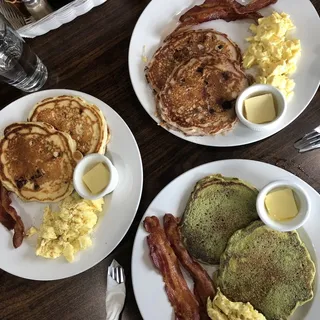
point(38, 8)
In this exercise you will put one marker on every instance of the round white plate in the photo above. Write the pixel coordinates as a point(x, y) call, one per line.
point(118, 213)
point(161, 17)
point(173, 198)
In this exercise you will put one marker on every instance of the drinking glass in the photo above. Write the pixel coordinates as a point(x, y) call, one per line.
point(19, 65)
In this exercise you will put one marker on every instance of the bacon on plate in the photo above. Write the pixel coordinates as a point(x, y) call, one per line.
point(181, 298)
point(203, 286)
point(5, 219)
point(9, 217)
point(216, 9)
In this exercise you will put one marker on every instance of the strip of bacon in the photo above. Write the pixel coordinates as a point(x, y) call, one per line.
point(6, 219)
point(203, 311)
point(18, 225)
point(203, 285)
point(214, 10)
point(181, 298)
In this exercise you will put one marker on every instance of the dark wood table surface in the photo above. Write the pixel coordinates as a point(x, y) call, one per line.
point(90, 54)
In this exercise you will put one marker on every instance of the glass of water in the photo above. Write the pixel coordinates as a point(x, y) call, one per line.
point(19, 66)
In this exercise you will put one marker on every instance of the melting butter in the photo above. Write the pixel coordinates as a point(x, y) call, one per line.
point(281, 204)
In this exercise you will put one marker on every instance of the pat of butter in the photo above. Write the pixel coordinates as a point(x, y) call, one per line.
point(97, 178)
point(281, 204)
point(260, 109)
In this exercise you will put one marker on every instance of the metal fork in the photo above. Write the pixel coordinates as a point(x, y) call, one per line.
point(309, 141)
point(116, 273)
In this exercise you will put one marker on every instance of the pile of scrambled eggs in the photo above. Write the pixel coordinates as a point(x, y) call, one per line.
point(68, 230)
point(273, 52)
point(221, 308)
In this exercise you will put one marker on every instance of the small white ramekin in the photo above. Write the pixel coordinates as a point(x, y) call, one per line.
point(82, 168)
point(292, 224)
point(259, 89)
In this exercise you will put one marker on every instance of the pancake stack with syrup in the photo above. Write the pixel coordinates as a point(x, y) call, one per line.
point(196, 76)
point(38, 157)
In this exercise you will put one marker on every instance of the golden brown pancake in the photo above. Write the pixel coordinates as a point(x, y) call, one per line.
point(182, 47)
point(73, 115)
point(198, 98)
point(37, 161)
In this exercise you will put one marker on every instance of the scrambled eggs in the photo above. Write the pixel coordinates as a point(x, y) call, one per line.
point(221, 308)
point(31, 232)
point(67, 231)
point(275, 54)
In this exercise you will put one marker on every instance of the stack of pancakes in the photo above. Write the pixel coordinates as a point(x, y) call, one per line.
point(196, 76)
point(270, 269)
point(37, 158)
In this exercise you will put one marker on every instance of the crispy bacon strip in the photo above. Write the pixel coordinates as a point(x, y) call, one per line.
point(212, 10)
point(216, 9)
point(181, 298)
point(18, 224)
point(203, 285)
point(6, 219)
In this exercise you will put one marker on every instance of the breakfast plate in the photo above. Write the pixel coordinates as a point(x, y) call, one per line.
point(173, 199)
point(160, 18)
point(114, 221)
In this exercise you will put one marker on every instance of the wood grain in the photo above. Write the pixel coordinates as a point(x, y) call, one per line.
point(90, 55)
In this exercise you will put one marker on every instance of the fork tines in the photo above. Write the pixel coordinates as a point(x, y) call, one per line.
point(308, 142)
point(116, 273)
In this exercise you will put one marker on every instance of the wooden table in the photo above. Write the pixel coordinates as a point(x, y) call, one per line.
point(90, 54)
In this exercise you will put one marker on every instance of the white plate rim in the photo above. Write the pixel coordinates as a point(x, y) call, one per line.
point(90, 98)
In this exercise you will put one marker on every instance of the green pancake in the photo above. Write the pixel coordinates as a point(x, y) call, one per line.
point(270, 269)
point(217, 207)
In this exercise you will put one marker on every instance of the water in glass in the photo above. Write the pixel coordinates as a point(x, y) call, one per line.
point(19, 66)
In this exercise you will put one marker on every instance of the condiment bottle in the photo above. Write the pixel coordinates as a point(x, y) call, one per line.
point(38, 8)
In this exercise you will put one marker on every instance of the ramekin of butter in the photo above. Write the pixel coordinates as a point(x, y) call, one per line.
point(261, 107)
point(283, 205)
point(95, 176)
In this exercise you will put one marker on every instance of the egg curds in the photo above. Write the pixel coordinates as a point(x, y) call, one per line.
point(67, 231)
point(221, 308)
point(275, 54)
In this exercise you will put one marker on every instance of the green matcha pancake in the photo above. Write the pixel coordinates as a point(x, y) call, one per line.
point(217, 207)
point(270, 269)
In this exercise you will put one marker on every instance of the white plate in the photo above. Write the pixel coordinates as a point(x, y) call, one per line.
point(160, 18)
point(119, 210)
point(173, 198)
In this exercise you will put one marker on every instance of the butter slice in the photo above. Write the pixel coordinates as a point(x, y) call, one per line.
point(281, 204)
point(260, 109)
point(97, 178)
